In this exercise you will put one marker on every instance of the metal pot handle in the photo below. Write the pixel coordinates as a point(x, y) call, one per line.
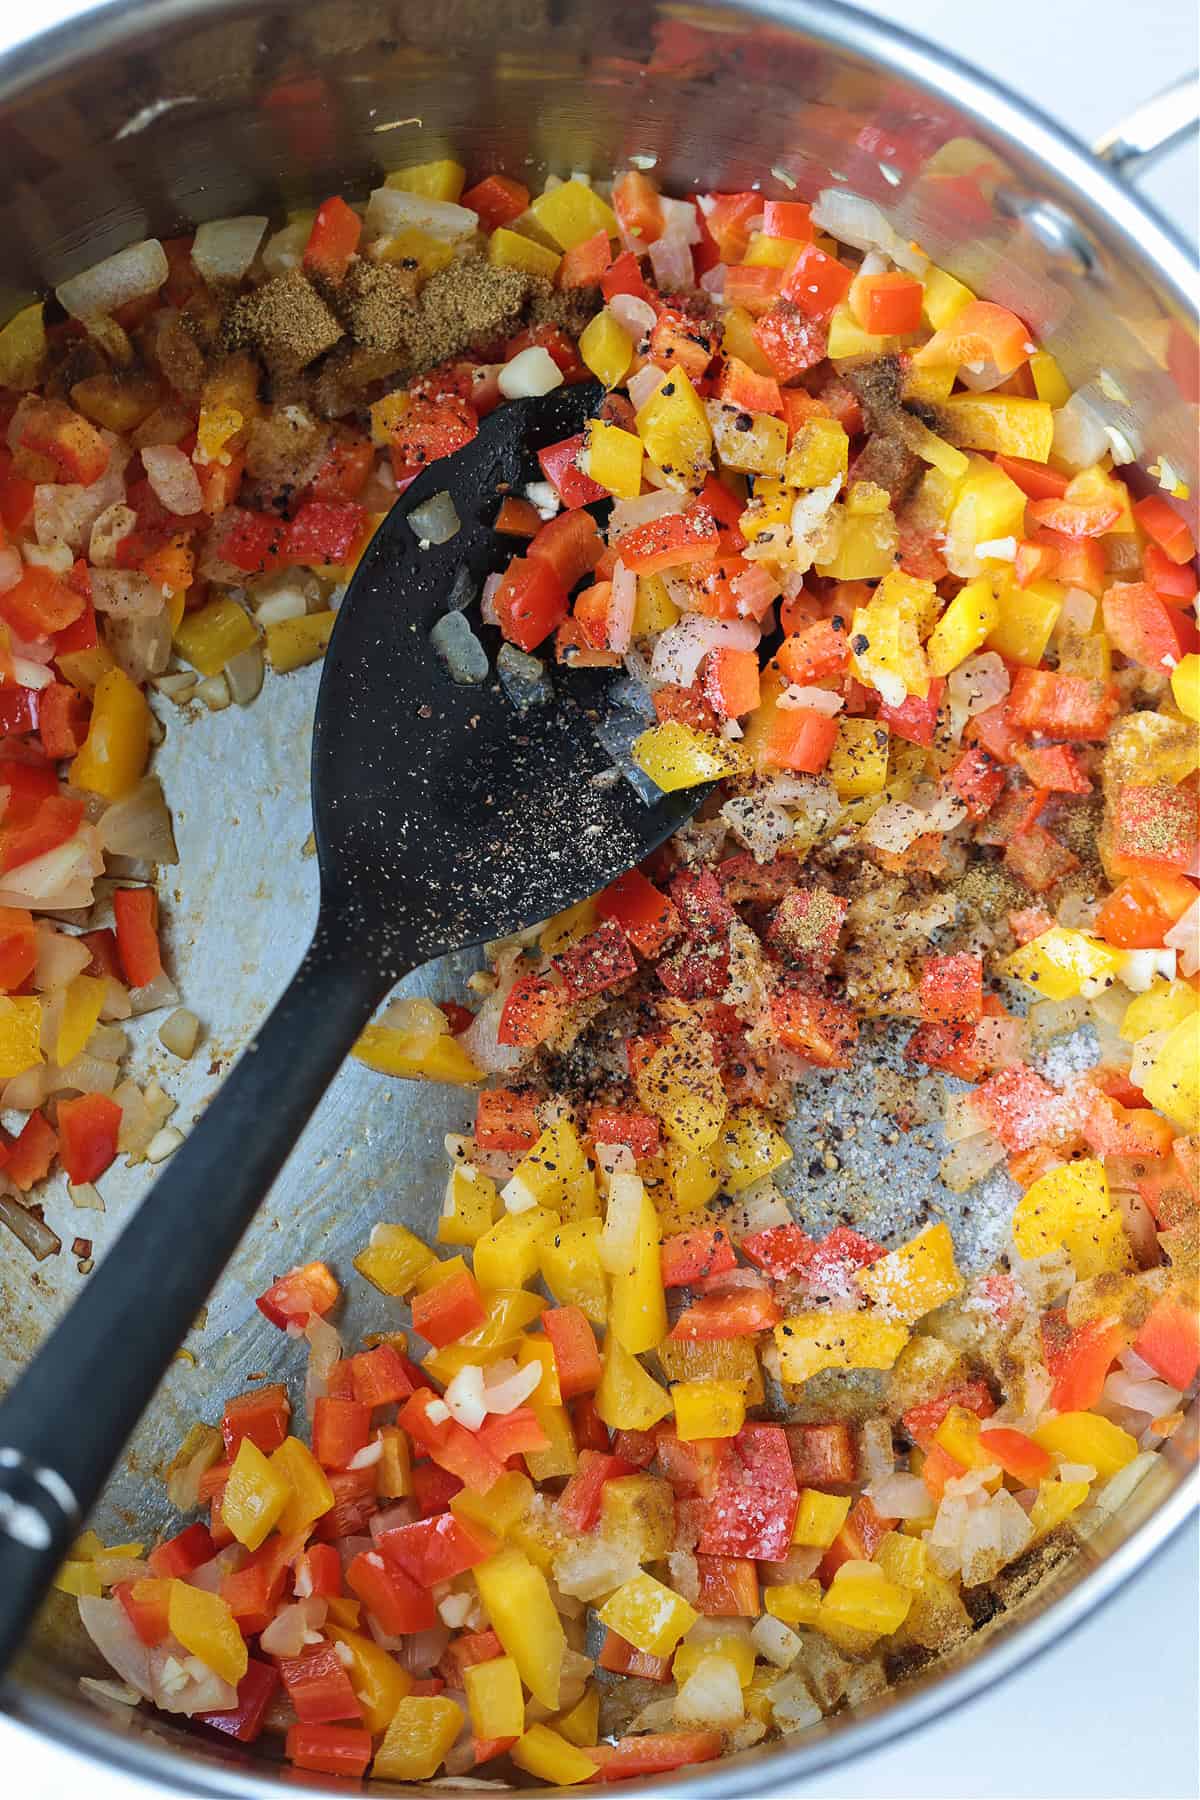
point(1137, 141)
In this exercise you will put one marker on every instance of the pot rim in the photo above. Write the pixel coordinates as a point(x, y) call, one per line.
point(1147, 238)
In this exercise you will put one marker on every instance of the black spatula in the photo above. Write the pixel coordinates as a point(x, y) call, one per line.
point(445, 815)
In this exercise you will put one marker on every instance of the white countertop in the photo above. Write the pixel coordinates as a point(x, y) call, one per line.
point(1111, 1712)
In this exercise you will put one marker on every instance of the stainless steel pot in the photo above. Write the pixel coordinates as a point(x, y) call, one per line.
point(154, 116)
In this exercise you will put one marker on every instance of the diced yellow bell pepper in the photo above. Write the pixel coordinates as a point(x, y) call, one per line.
point(715, 1359)
point(763, 252)
point(83, 1003)
point(214, 634)
point(422, 1730)
point(934, 450)
point(505, 1503)
point(291, 643)
point(887, 653)
point(795, 1602)
point(867, 497)
point(820, 451)
point(417, 1055)
point(988, 505)
point(638, 1513)
point(628, 1398)
point(84, 668)
point(858, 764)
point(20, 1034)
point(569, 1260)
point(681, 1085)
point(915, 600)
point(23, 348)
point(1050, 384)
point(517, 1600)
point(654, 609)
point(611, 456)
point(1060, 962)
point(539, 1350)
point(1173, 1084)
point(309, 1495)
point(904, 1560)
point(547, 1173)
point(847, 337)
point(1185, 685)
point(750, 1147)
point(1086, 1437)
point(753, 443)
point(1163, 1006)
point(674, 428)
point(1071, 1207)
point(469, 1208)
point(958, 1435)
point(708, 1409)
point(1056, 1501)
point(1002, 423)
point(730, 1645)
point(551, 1757)
point(440, 180)
point(694, 1177)
point(1027, 619)
point(495, 1698)
point(117, 747)
point(572, 213)
point(607, 350)
point(393, 1259)
point(1145, 747)
point(509, 250)
point(1100, 486)
point(861, 1596)
point(507, 1255)
point(738, 339)
point(964, 627)
point(393, 1471)
point(560, 1456)
point(416, 248)
point(568, 927)
point(810, 1342)
point(675, 756)
point(648, 1615)
point(255, 1496)
point(911, 1281)
point(582, 1724)
point(379, 1683)
point(945, 296)
point(637, 1310)
point(79, 1579)
point(930, 385)
point(867, 546)
point(207, 1629)
point(819, 1518)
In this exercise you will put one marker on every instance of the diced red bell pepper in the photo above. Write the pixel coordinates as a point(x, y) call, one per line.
point(915, 719)
point(135, 911)
point(1066, 706)
point(590, 1431)
point(340, 1429)
point(753, 1512)
point(801, 738)
point(261, 1414)
point(448, 1310)
point(530, 602)
point(1173, 582)
point(1054, 767)
point(840, 1253)
point(319, 1570)
point(533, 1009)
point(815, 652)
point(498, 199)
point(806, 925)
point(728, 1587)
point(576, 1356)
point(638, 1448)
point(1138, 914)
point(672, 542)
point(1169, 530)
point(294, 1297)
point(398, 1602)
point(822, 1030)
point(745, 388)
point(687, 704)
point(857, 1541)
point(450, 1444)
point(579, 1502)
point(516, 1433)
point(728, 222)
point(779, 1251)
point(146, 1611)
point(343, 474)
point(505, 1120)
point(1016, 1454)
point(354, 1500)
point(1038, 859)
point(739, 1313)
point(343, 1750)
point(27, 785)
point(998, 733)
point(52, 429)
point(1144, 628)
point(180, 1555)
point(1019, 1106)
point(600, 961)
point(319, 1687)
point(620, 1657)
point(823, 1456)
point(639, 1131)
point(433, 1488)
point(429, 430)
point(380, 1376)
point(791, 337)
point(584, 264)
point(55, 822)
point(938, 1469)
point(63, 714)
point(624, 276)
point(816, 283)
point(437, 1549)
point(638, 207)
point(921, 1421)
point(690, 1256)
point(1079, 1358)
point(18, 947)
point(890, 304)
point(654, 1753)
point(255, 1691)
point(29, 1155)
point(325, 531)
point(646, 916)
point(336, 229)
point(1037, 480)
point(467, 1652)
point(1170, 1342)
point(559, 463)
point(731, 682)
point(570, 544)
point(1157, 825)
point(951, 988)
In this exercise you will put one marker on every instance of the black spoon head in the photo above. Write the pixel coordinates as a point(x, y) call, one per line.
point(444, 814)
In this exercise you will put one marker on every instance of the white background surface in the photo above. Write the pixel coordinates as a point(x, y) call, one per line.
point(1112, 1711)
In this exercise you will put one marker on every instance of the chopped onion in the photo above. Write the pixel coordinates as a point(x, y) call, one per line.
point(810, 699)
point(530, 373)
point(126, 593)
point(626, 515)
point(287, 1633)
point(173, 478)
point(1184, 936)
point(180, 1033)
point(1156, 1398)
point(633, 314)
point(139, 824)
point(435, 520)
point(758, 823)
point(244, 675)
point(11, 567)
point(324, 1351)
point(970, 1160)
point(961, 1119)
point(487, 600)
point(810, 509)
point(420, 1651)
point(59, 958)
point(391, 210)
point(876, 1454)
point(33, 675)
point(1080, 438)
point(466, 1398)
point(645, 382)
point(671, 260)
point(285, 249)
point(137, 270)
point(223, 249)
point(58, 881)
point(682, 647)
point(621, 605)
point(618, 1238)
point(107, 1624)
point(159, 992)
point(711, 1695)
point(713, 281)
point(776, 1642)
point(464, 656)
point(109, 531)
point(900, 1497)
point(201, 1448)
point(506, 1386)
point(33, 1232)
point(851, 219)
point(64, 513)
point(792, 1706)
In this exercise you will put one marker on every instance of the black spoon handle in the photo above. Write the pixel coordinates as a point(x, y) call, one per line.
point(68, 1417)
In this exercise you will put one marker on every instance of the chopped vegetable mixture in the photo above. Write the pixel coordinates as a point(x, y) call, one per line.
point(645, 1471)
